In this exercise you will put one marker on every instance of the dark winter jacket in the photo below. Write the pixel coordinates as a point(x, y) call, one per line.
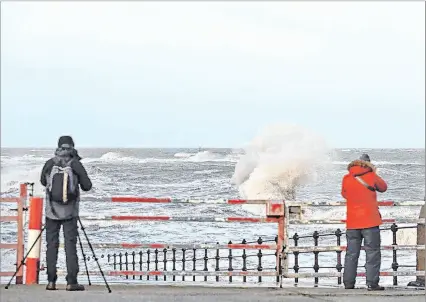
point(55, 210)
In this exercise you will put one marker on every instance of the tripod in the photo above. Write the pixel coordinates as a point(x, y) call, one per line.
point(81, 246)
point(26, 256)
point(94, 255)
point(84, 258)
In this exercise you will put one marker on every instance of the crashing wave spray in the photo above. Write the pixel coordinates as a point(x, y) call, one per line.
point(277, 161)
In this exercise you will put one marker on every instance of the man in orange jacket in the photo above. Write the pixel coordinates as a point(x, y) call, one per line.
point(363, 219)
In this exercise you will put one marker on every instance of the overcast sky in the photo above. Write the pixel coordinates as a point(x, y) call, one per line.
point(188, 74)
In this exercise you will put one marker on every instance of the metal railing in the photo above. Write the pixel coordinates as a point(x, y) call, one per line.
point(295, 250)
point(248, 259)
point(180, 261)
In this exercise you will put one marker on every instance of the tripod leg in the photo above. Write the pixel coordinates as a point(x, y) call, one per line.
point(23, 260)
point(94, 256)
point(84, 257)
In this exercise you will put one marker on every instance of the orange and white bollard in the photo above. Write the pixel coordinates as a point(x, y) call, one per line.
point(34, 234)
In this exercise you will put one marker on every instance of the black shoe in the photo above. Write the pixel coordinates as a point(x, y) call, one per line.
point(75, 287)
point(375, 287)
point(417, 283)
point(51, 286)
point(349, 286)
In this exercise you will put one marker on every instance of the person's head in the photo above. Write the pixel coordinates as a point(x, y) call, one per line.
point(66, 142)
point(66, 147)
point(365, 157)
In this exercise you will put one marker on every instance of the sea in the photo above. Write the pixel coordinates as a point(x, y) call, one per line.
point(206, 173)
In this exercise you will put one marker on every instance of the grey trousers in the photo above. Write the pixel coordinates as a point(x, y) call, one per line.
point(371, 238)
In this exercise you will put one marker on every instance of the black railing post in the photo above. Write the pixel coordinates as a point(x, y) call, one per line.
point(156, 263)
point(316, 253)
point(206, 258)
point(126, 254)
point(165, 262)
point(244, 269)
point(183, 262)
point(121, 262)
point(259, 257)
point(115, 261)
point(133, 263)
point(296, 257)
point(217, 258)
point(395, 265)
point(339, 265)
point(148, 261)
point(194, 259)
point(174, 262)
point(230, 269)
point(140, 264)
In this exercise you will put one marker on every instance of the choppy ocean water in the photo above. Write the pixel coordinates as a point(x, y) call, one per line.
point(190, 173)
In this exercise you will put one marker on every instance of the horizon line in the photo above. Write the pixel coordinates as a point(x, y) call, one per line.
point(171, 147)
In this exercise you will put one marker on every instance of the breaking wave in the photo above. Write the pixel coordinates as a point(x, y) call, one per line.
point(279, 160)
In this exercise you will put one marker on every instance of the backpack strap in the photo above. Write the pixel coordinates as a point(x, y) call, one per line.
point(55, 169)
point(68, 164)
point(361, 181)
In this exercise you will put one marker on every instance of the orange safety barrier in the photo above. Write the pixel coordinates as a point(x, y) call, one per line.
point(19, 219)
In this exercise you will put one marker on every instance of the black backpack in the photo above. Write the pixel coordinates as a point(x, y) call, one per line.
point(62, 182)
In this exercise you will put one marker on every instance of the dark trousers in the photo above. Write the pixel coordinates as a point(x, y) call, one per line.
point(371, 238)
point(70, 230)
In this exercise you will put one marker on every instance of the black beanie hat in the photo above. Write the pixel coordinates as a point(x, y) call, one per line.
point(365, 157)
point(65, 140)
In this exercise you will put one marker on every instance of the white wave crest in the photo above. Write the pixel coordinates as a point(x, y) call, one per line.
point(206, 172)
point(183, 155)
point(204, 156)
point(114, 157)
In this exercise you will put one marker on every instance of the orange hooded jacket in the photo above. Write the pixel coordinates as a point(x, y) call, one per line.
point(362, 210)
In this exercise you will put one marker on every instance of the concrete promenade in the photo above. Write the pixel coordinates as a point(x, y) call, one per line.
point(99, 293)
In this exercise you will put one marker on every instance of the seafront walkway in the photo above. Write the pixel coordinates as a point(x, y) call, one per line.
point(99, 293)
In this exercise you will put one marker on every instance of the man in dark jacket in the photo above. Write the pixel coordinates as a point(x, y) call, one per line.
point(63, 214)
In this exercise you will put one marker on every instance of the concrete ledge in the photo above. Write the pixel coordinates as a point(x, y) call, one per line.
point(99, 293)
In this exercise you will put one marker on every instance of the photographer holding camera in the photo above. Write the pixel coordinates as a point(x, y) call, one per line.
point(359, 188)
point(63, 175)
